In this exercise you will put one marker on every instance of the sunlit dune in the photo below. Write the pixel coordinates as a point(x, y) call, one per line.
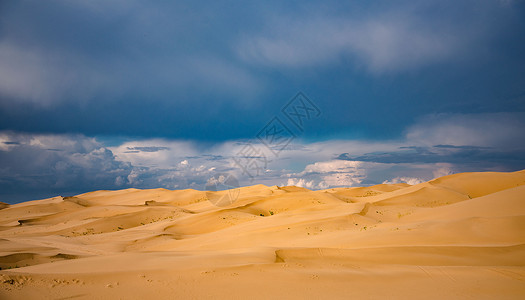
point(457, 236)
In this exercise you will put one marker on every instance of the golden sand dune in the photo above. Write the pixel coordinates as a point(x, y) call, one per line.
point(457, 236)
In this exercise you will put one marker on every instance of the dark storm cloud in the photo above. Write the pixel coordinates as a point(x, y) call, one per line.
point(497, 142)
point(28, 167)
point(464, 155)
point(198, 69)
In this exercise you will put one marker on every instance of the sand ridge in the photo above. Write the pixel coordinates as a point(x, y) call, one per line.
point(465, 231)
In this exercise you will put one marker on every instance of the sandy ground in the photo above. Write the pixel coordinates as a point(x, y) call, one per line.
point(459, 236)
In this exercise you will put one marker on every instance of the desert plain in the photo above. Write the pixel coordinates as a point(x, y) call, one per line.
point(458, 236)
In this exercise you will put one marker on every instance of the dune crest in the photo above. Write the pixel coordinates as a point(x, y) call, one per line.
point(464, 232)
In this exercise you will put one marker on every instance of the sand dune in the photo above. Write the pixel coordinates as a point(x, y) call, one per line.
point(457, 236)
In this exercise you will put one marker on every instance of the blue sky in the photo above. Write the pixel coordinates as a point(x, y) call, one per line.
point(118, 94)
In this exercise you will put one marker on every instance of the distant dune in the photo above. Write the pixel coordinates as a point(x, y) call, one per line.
point(458, 236)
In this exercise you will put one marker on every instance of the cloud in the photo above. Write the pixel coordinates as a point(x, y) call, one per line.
point(434, 154)
point(389, 38)
point(66, 163)
point(485, 141)
point(324, 164)
point(44, 76)
point(409, 180)
point(380, 45)
point(339, 173)
point(195, 69)
point(146, 149)
point(443, 171)
point(336, 173)
point(153, 152)
point(66, 53)
point(499, 130)
point(301, 183)
point(45, 165)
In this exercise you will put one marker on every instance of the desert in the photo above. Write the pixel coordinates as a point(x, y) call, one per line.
point(457, 236)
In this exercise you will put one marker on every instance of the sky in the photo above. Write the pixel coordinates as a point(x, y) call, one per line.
point(155, 94)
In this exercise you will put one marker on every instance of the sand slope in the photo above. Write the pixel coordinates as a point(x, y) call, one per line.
point(461, 235)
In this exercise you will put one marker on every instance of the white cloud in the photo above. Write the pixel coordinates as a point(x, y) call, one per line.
point(342, 173)
point(443, 171)
point(330, 174)
point(164, 153)
point(409, 180)
point(300, 183)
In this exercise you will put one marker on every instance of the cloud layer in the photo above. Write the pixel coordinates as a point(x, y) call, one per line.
point(195, 69)
point(45, 165)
